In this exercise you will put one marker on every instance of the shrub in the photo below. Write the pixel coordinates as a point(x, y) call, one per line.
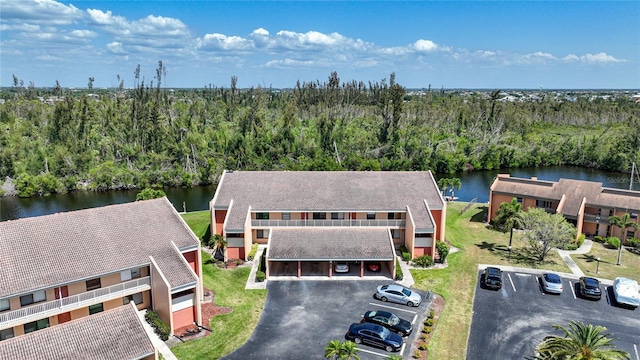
point(613, 242)
point(431, 314)
point(424, 337)
point(157, 324)
point(426, 329)
point(252, 253)
point(260, 276)
point(406, 256)
point(571, 247)
point(403, 249)
point(443, 250)
point(417, 354)
point(428, 322)
point(399, 275)
point(599, 239)
point(580, 240)
point(423, 347)
point(635, 243)
point(423, 261)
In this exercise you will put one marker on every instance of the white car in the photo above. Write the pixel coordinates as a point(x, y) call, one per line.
point(625, 292)
point(551, 283)
point(342, 267)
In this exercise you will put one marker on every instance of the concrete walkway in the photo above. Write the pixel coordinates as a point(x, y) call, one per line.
point(157, 342)
point(565, 255)
point(407, 278)
point(251, 281)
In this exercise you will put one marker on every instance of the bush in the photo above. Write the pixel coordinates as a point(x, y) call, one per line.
point(252, 253)
point(580, 240)
point(260, 276)
point(599, 239)
point(403, 249)
point(571, 247)
point(423, 337)
point(406, 256)
point(157, 324)
point(443, 250)
point(423, 261)
point(417, 354)
point(431, 314)
point(635, 243)
point(613, 242)
point(426, 329)
point(428, 322)
point(423, 347)
point(399, 275)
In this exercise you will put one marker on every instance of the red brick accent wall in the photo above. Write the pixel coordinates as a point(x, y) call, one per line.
point(220, 216)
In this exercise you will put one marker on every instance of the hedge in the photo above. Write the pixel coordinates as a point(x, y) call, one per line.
point(399, 275)
point(157, 324)
point(252, 253)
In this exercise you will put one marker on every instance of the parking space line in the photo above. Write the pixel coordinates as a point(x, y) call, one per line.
point(572, 290)
point(635, 348)
point(511, 281)
point(405, 344)
point(372, 352)
point(415, 317)
point(521, 274)
point(394, 308)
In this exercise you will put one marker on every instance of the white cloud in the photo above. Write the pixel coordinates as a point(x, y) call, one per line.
point(571, 58)
point(115, 47)
point(223, 42)
point(599, 58)
point(286, 63)
point(39, 12)
point(425, 45)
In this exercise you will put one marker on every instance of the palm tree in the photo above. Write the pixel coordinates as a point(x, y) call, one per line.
point(452, 183)
point(580, 342)
point(349, 351)
point(509, 216)
point(623, 223)
point(333, 350)
point(218, 244)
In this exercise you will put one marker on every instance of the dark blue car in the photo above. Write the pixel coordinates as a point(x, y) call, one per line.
point(374, 335)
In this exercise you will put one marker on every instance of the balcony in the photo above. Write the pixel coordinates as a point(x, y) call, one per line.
point(328, 223)
point(596, 219)
point(59, 306)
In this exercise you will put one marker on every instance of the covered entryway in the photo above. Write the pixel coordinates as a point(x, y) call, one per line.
point(312, 252)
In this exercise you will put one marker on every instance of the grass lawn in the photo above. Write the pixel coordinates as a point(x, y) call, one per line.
point(457, 282)
point(231, 330)
point(629, 266)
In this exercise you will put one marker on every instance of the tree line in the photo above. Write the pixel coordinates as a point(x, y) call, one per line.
point(57, 139)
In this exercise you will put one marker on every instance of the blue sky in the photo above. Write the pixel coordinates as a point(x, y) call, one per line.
point(450, 44)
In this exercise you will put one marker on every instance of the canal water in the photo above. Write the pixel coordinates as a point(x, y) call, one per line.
point(475, 185)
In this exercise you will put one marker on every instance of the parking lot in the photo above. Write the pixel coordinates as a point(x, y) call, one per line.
point(509, 323)
point(301, 317)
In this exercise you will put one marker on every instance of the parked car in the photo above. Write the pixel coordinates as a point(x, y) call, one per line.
point(341, 267)
point(590, 288)
point(374, 335)
point(551, 283)
point(625, 291)
point(492, 278)
point(398, 294)
point(374, 266)
point(389, 320)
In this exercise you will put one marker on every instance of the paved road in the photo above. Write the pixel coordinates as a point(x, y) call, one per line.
point(301, 317)
point(509, 323)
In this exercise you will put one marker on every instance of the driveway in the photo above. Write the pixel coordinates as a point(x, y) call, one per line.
point(511, 322)
point(301, 317)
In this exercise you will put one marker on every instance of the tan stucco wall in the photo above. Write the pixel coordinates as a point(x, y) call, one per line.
point(161, 295)
point(410, 230)
point(79, 313)
point(77, 288)
point(109, 280)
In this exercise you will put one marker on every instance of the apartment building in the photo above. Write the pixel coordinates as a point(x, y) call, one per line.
point(311, 219)
point(586, 204)
point(63, 267)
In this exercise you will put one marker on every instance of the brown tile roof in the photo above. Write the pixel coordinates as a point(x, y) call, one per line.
point(114, 334)
point(47, 251)
point(327, 191)
point(330, 244)
point(574, 190)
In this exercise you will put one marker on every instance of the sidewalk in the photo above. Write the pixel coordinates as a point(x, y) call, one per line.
point(251, 281)
point(583, 249)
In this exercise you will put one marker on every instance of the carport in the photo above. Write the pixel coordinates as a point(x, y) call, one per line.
point(312, 251)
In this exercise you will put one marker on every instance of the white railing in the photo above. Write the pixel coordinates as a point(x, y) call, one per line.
point(59, 306)
point(596, 218)
point(335, 223)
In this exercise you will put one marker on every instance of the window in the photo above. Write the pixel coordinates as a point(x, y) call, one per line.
point(36, 325)
point(319, 216)
point(4, 304)
point(235, 235)
point(93, 284)
point(631, 234)
point(395, 233)
point(371, 216)
point(286, 216)
point(6, 334)
point(262, 234)
point(423, 235)
point(129, 274)
point(390, 216)
point(33, 298)
point(96, 308)
point(135, 273)
point(545, 204)
point(262, 216)
point(136, 298)
point(634, 215)
point(519, 200)
point(337, 216)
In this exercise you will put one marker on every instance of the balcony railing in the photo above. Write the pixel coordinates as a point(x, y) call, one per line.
point(596, 219)
point(59, 306)
point(335, 223)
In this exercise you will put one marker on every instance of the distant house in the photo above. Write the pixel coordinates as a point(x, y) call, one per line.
point(67, 266)
point(311, 219)
point(586, 204)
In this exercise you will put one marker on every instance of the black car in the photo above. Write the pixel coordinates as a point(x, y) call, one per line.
point(590, 288)
point(492, 278)
point(374, 335)
point(392, 322)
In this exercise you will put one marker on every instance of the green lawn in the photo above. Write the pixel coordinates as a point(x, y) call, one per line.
point(629, 266)
point(457, 282)
point(231, 330)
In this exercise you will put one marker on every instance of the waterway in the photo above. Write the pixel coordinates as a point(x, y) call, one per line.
point(475, 185)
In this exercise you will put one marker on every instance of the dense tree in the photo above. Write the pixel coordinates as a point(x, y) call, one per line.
point(148, 194)
point(544, 231)
point(623, 223)
point(580, 342)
